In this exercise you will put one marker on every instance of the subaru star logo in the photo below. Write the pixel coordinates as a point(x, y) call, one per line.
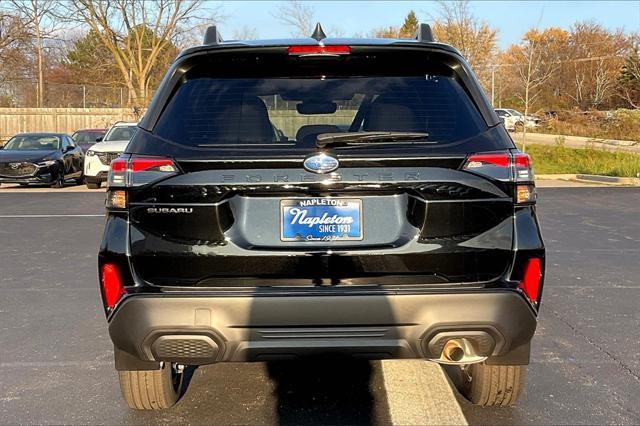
point(321, 163)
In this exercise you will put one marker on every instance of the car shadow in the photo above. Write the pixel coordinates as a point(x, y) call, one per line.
point(327, 390)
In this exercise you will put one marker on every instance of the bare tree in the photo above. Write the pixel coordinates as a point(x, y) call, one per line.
point(298, 15)
point(456, 25)
point(137, 33)
point(245, 33)
point(599, 58)
point(12, 32)
point(533, 67)
point(38, 16)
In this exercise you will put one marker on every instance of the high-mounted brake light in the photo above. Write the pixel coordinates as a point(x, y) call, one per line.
point(319, 50)
point(111, 285)
point(530, 283)
point(137, 170)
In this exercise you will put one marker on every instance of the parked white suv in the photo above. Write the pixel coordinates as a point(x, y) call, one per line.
point(100, 156)
point(515, 120)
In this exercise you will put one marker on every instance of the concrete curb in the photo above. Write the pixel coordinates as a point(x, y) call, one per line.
point(419, 393)
point(604, 180)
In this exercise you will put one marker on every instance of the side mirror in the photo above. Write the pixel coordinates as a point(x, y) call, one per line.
point(99, 139)
point(68, 148)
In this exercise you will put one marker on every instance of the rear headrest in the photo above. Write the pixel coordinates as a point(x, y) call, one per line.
point(306, 135)
point(246, 120)
point(391, 115)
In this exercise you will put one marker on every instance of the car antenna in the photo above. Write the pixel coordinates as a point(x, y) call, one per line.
point(212, 36)
point(318, 33)
point(424, 34)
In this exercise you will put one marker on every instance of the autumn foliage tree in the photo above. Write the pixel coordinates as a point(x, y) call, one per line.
point(629, 80)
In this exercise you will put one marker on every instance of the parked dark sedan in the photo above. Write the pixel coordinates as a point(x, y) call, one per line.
point(85, 138)
point(41, 158)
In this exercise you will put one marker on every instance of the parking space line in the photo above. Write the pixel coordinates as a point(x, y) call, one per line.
point(40, 216)
point(419, 393)
point(54, 364)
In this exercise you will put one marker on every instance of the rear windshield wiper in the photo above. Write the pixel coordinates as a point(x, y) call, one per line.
point(368, 138)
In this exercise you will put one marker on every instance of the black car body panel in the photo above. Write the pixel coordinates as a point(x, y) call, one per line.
point(44, 165)
point(441, 243)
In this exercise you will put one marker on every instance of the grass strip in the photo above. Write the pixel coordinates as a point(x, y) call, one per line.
point(549, 159)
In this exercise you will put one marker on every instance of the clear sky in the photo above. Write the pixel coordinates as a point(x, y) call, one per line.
point(512, 18)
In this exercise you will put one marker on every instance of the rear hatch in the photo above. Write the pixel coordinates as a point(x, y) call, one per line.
point(274, 168)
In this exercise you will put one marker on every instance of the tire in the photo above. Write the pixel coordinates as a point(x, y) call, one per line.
point(518, 127)
point(151, 390)
point(80, 180)
point(59, 182)
point(493, 385)
point(94, 185)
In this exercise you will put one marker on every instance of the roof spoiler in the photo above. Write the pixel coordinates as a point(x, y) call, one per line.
point(424, 34)
point(212, 37)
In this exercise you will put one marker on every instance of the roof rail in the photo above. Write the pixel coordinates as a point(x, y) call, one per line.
point(424, 34)
point(212, 36)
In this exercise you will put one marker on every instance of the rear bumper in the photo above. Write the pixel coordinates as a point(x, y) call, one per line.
point(99, 178)
point(146, 329)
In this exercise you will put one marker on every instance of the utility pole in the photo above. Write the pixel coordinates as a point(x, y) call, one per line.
point(493, 85)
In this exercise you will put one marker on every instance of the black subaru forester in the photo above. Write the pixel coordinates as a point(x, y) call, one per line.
point(287, 198)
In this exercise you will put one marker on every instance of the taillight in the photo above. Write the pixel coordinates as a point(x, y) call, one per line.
point(319, 49)
point(531, 280)
point(506, 167)
point(522, 167)
point(127, 171)
point(493, 165)
point(112, 287)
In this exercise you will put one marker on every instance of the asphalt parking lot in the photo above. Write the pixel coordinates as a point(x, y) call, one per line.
point(56, 363)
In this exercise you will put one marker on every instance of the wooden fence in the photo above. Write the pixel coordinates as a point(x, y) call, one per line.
point(60, 120)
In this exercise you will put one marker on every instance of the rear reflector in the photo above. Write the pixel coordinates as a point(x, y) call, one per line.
point(530, 284)
point(319, 50)
point(111, 285)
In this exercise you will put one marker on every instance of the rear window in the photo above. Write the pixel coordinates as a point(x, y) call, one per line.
point(291, 112)
point(86, 137)
point(120, 133)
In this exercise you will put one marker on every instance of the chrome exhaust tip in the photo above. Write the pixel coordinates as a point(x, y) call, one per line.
point(459, 351)
point(453, 351)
